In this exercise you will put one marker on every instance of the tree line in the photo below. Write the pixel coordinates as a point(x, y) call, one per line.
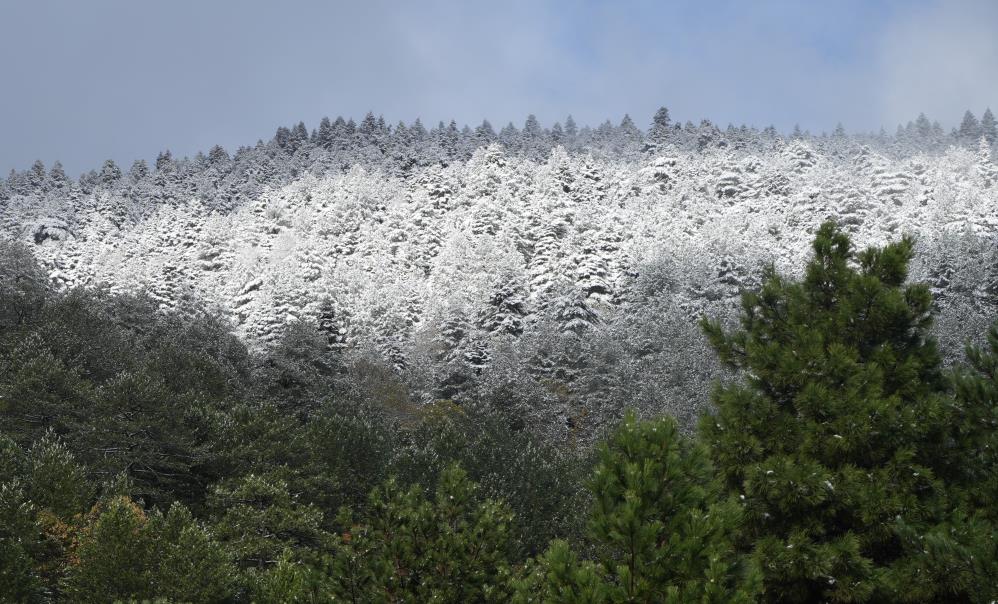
point(335, 145)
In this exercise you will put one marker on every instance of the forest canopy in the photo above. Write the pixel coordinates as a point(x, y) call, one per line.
point(150, 455)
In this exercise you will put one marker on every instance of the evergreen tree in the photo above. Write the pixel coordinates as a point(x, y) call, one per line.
point(164, 162)
point(571, 130)
point(368, 128)
point(258, 518)
point(324, 136)
point(36, 176)
point(557, 134)
point(282, 138)
point(970, 129)
point(139, 170)
point(923, 126)
point(661, 128)
point(510, 138)
point(110, 173)
point(55, 482)
point(484, 134)
point(977, 393)
point(218, 156)
point(20, 541)
point(841, 441)
point(989, 127)
point(629, 137)
point(450, 549)
point(660, 533)
point(125, 554)
point(533, 139)
point(57, 175)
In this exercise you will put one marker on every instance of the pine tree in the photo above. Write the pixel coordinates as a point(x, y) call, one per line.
point(533, 139)
point(629, 137)
point(324, 135)
point(164, 162)
point(840, 442)
point(484, 134)
point(661, 127)
point(57, 176)
point(660, 531)
point(989, 127)
point(258, 518)
point(923, 127)
point(453, 548)
point(110, 173)
point(970, 129)
point(125, 553)
point(36, 176)
point(139, 170)
point(218, 156)
point(571, 130)
point(298, 137)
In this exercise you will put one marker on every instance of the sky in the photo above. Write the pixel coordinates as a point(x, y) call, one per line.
point(87, 81)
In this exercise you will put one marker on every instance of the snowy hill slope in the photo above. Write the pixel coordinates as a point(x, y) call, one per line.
point(449, 272)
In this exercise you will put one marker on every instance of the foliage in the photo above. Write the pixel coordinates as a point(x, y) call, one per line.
point(841, 439)
point(660, 532)
point(146, 454)
point(452, 548)
point(125, 553)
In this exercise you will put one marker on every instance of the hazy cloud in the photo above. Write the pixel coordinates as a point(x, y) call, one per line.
point(941, 59)
point(84, 81)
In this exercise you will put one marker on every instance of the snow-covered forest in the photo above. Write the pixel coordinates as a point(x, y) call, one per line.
point(556, 270)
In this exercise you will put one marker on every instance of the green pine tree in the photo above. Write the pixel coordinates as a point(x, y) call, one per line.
point(661, 533)
point(126, 554)
point(20, 543)
point(841, 438)
point(452, 548)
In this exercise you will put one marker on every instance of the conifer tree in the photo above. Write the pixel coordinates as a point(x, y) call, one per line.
point(110, 173)
point(484, 134)
point(660, 533)
point(989, 127)
point(977, 397)
point(571, 129)
point(840, 442)
point(661, 127)
point(125, 553)
point(452, 548)
point(970, 129)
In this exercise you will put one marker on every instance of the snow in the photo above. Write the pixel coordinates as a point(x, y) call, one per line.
point(513, 250)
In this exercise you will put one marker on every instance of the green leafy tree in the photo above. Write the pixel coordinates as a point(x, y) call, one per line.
point(841, 438)
point(660, 532)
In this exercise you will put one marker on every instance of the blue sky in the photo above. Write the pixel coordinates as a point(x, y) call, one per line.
point(87, 81)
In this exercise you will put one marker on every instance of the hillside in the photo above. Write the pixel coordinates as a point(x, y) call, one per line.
point(561, 274)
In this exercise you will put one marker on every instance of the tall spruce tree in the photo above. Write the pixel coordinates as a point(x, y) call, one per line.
point(842, 442)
